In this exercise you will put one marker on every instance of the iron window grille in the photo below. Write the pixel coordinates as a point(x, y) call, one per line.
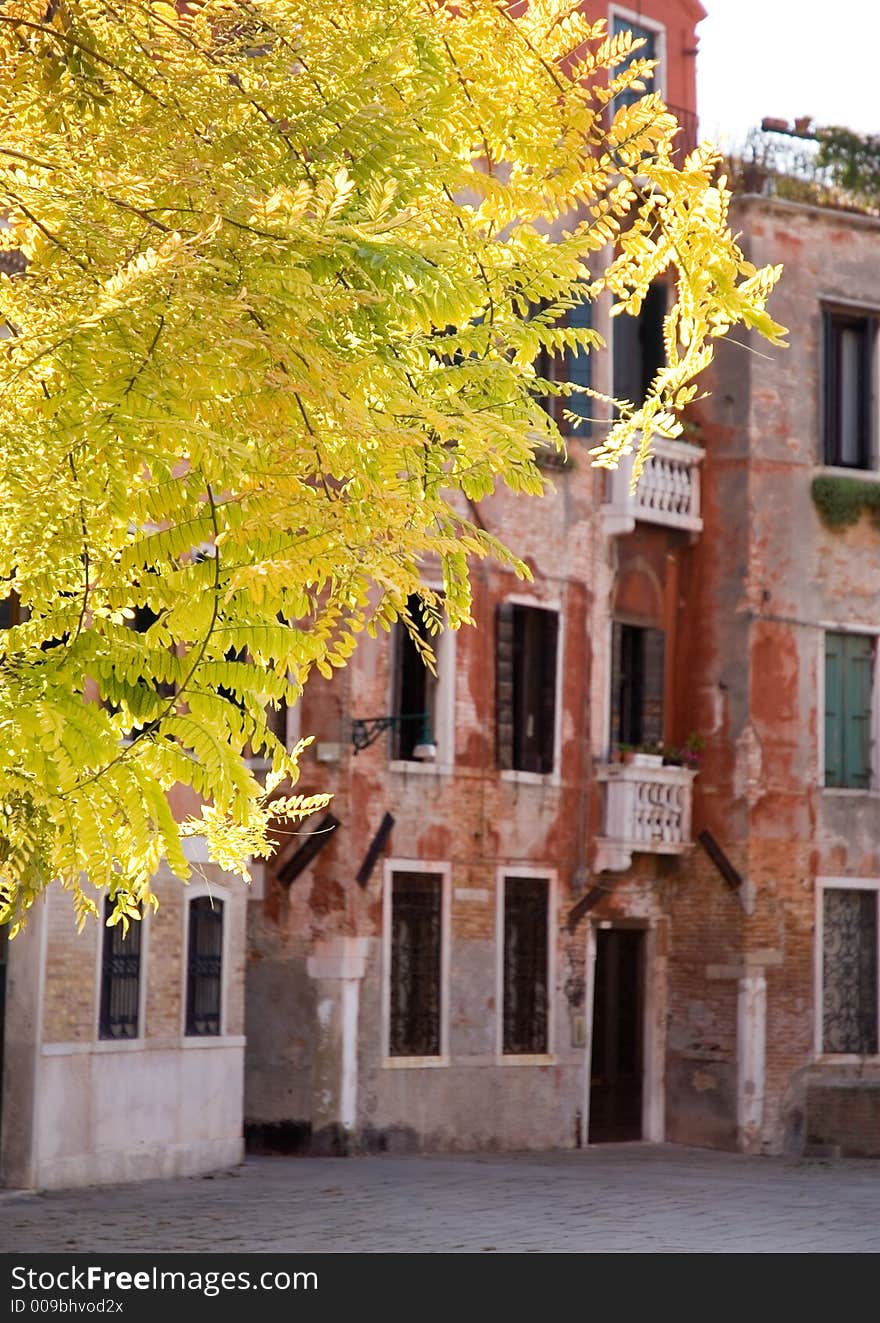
point(525, 966)
point(119, 1015)
point(415, 976)
point(849, 971)
point(204, 967)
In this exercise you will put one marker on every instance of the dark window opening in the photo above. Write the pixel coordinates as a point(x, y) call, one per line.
point(638, 347)
point(120, 979)
point(415, 976)
point(10, 611)
point(647, 52)
point(204, 967)
point(849, 971)
point(526, 644)
point(525, 969)
point(637, 681)
point(414, 688)
point(849, 343)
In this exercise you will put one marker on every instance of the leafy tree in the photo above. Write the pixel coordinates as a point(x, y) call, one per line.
point(277, 318)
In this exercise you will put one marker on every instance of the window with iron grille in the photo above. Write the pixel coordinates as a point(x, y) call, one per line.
point(204, 969)
point(525, 994)
point(649, 51)
point(637, 681)
point(416, 965)
point(525, 687)
point(119, 1015)
point(849, 970)
point(849, 683)
point(848, 384)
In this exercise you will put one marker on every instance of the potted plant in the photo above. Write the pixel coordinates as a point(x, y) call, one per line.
point(688, 754)
point(647, 754)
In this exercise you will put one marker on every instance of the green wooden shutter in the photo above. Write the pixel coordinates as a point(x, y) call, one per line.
point(504, 684)
point(834, 709)
point(857, 678)
point(578, 369)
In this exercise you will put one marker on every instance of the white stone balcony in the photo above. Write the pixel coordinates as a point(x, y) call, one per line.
point(668, 491)
point(647, 810)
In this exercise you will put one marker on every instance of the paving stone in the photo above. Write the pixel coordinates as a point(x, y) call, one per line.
point(609, 1199)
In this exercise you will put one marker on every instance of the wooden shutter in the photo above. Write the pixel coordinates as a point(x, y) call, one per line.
point(650, 322)
point(547, 723)
point(857, 678)
point(504, 684)
point(616, 682)
point(834, 709)
point(653, 684)
point(579, 369)
point(627, 368)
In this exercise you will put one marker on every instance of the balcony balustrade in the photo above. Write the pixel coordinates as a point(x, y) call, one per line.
point(668, 491)
point(647, 810)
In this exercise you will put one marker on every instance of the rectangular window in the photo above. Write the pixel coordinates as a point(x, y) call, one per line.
point(849, 971)
point(416, 965)
point(414, 690)
point(637, 682)
point(649, 51)
point(526, 646)
point(204, 967)
point(849, 674)
point(637, 347)
point(119, 1015)
point(525, 966)
point(569, 366)
point(849, 348)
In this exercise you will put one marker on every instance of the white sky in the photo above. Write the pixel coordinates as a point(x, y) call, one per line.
point(787, 58)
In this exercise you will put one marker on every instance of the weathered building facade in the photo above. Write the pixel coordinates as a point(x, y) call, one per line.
point(773, 980)
point(441, 964)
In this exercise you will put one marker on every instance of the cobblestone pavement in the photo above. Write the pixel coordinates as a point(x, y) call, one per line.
point(604, 1199)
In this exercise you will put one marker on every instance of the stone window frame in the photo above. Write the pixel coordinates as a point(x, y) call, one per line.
point(869, 631)
point(196, 891)
point(551, 876)
point(831, 307)
point(823, 884)
point(121, 1044)
point(442, 869)
point(555, 604)
point(444, 646)
point(640, 20)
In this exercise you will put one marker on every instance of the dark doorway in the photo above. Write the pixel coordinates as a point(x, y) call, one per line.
point(618, 1023)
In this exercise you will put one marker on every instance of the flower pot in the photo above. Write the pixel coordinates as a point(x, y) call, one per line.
point(646, 759)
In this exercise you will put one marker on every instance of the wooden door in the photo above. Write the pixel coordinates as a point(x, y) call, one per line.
point(618, 1033)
